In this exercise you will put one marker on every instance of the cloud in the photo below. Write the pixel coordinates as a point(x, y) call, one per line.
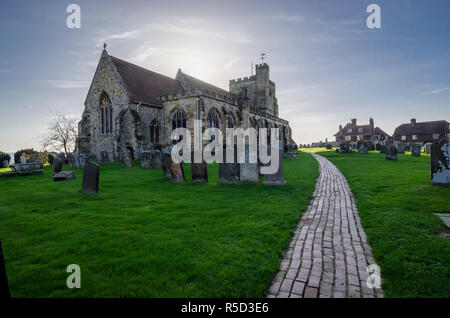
point(438, 91)
point(288, 18)
point(124, 35)
point(67, 84)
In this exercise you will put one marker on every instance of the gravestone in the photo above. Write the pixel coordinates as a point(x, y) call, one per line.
point(105, 157)
point(249, 172)
point(4, 287)
point(5, 164)
point(146, 159)
point(80, 160)
point(401, 147)
point(71, 159)
point(91, 174)
point(64, 175)
point(23, 159)
point(292, 151)
point(329, 146)
point(363, 148)
point(126, 158)
point(276, 178)
point(156, 157)
point(199, 171)
point(415, 150)
point(377, 146)
point(427, 148)
point(62, 156)
point(440, 165)
point(57, 165)
point(383, 148)
point(50, 159)
point(391, 152)
point(177, 172)
point(166, 164)
point(229, 172)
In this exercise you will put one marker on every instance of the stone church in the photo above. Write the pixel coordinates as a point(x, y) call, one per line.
point(130, 107)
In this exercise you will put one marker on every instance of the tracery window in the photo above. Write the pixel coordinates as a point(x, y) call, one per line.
point(106, 114)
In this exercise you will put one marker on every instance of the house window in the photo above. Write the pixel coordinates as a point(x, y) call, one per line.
point(435, 136)
point(414, 137)
point(360, 130)
point(348, 138)
point(106, 114)
point(154, 131)
point(403, 137)
point(349, 131)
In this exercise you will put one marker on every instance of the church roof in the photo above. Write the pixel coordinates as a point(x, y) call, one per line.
point(191, 83)
point(145, 85)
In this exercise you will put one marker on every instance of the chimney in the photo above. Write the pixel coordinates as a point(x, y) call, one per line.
point(340, 128)
point(354, 121)
point(372, 127)
point(413, 121)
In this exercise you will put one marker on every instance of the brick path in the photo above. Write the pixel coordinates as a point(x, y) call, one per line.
point(328, 254)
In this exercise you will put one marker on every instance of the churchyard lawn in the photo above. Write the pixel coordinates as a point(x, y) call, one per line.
point(396, 204)
point(143, 236)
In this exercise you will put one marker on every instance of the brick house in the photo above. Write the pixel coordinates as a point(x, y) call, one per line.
point(423, 132)
point(354, 132)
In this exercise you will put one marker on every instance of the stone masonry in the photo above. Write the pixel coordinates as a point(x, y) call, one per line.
point(328, 254)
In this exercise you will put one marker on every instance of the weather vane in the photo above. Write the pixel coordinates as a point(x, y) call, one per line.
point(262, 57)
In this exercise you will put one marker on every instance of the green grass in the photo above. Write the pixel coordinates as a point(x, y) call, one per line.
point(143, 236)
point(396, 204)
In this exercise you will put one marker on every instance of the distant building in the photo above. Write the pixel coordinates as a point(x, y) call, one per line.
point(354, 132)
point(427, 131)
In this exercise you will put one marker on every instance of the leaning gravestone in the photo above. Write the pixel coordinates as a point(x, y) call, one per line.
point(4, 288)
point(157, 163)
point(199, 171)
point(427, 148)
point(64, 175)
point(57, 165)
point(126, 159)
point(277, 177)
point(249, 172)
point(440, 165)
point(146, 159)
point(166, 165)
point(415, 150)
point(177, 172)
point(91, 174)
point(229, 172)
point(391, 152)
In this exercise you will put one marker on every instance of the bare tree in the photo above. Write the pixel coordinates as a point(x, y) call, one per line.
point(61, 135)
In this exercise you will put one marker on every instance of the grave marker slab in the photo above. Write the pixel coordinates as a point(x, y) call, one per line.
point(415, 150)
point(157, 162)
point(199, 171)
point(229, 172)
point(440, 165)
point(276, 178)
point(91, 174)
point(146, 159)
point(64, 175)
point(391, 152)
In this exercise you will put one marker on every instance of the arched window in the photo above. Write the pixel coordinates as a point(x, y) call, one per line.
point(106, 114)
point(213, 119)
point(154, 131)
point(178, 119)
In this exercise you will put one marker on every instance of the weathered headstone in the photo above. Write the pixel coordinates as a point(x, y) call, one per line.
point(50, 159)
point(427, 148)
point(415, 150)
point(440, 165)
point(292, 151)
point(4, 287)
point(57, 165)
point(71, 159)
point(377, 146)
point(177, 172)
point(229, 172)
point(80, 160)
point(126, 158)
point(105, 157)
point(166, 165)
point(249, 172)
point(5, 164)
point(391, 152)
point(345, 147)
point(91, 174)
point(401, 147)
point(157, 162)
point(363, 148)
point(146, 159)
point(199, 171)
point(62, 156)
point(383, 148)
point(276, 178)
point(23, 159)
point(64, 175)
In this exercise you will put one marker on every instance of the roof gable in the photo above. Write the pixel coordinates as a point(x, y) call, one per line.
point(191, 83)
point(422, 128)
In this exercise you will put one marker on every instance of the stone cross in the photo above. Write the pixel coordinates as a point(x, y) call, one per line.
point(277, 177)
point(91, 174)
point(440, 163)
point(4, 287)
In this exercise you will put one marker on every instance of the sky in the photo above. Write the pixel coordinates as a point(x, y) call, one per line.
point(327, 64)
